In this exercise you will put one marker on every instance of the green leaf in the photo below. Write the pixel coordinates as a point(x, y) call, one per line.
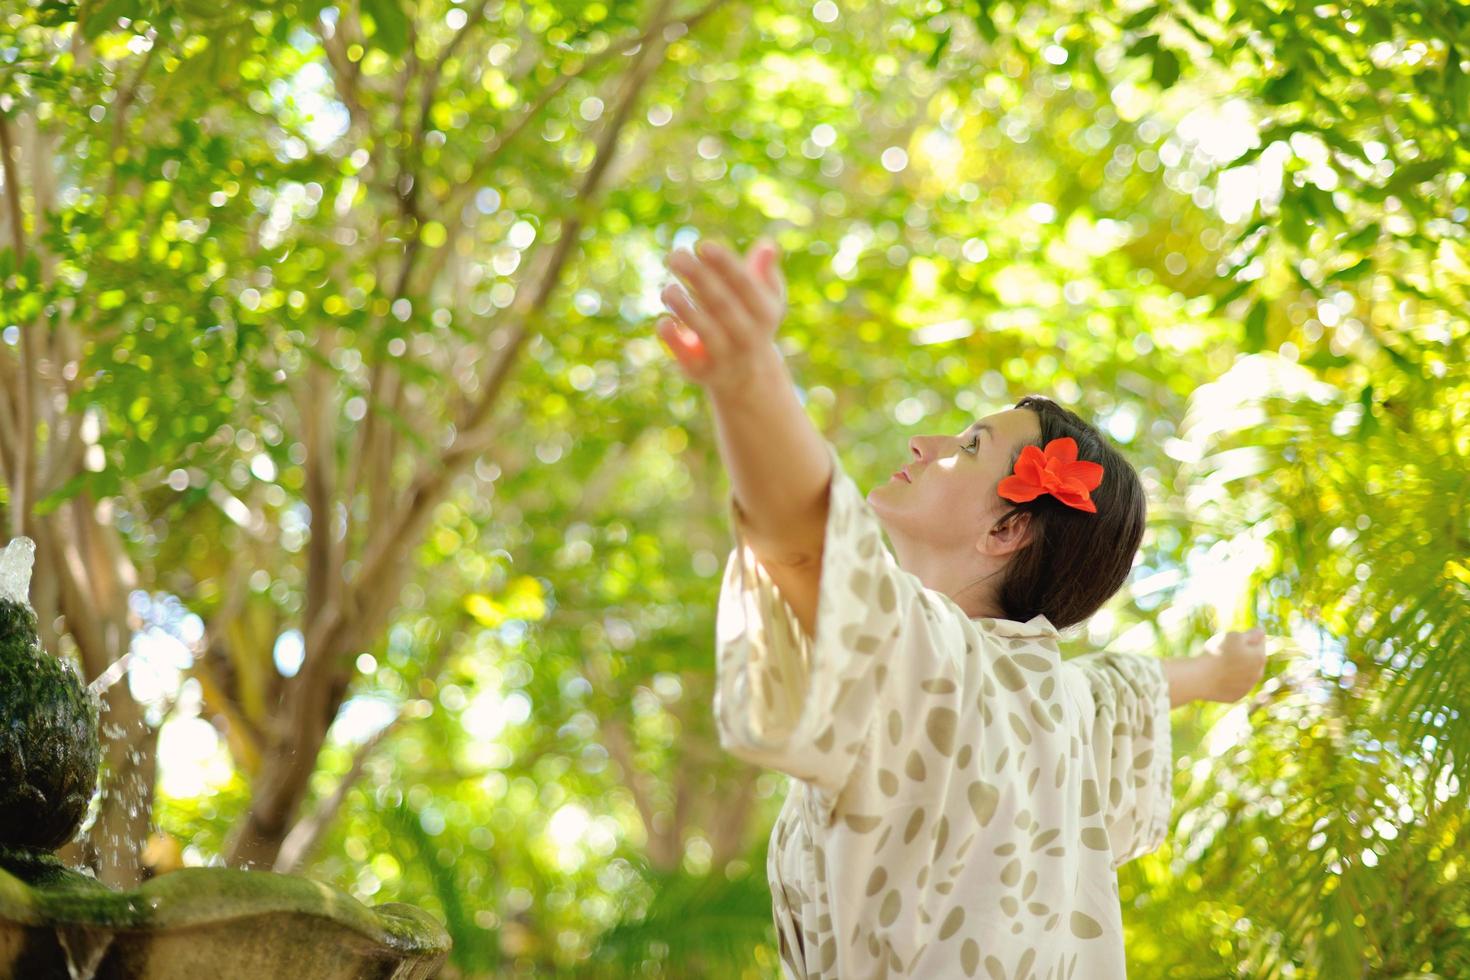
point(1362, 238)
point(1294, 223)
point(1354, 271)
point(104, 18)
point(1400, 360)
point(54, 13)
point(1368, 423)
point(984, 23)
point(1413, 290)
point(1166, 68)
point(1310, 203)
point(1407, 176)
point(1322, 359)
point(1146, 45)
point(1213, 45)
point(1342, 144)
point(1255, 327)
point(939, 46)
point(391, 25)
point(1267, 136)
point(1284, 88)
point(1141, 17)
point(1237, 289)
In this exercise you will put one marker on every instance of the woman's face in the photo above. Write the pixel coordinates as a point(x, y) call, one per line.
point(950, 495)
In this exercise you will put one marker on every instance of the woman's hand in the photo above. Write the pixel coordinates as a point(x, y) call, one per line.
point(1239, 660)
point(723, 326)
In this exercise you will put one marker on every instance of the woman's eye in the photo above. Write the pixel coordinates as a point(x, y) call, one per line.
point(975, 442)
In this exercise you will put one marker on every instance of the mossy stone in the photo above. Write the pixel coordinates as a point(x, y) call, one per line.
point(49, 746)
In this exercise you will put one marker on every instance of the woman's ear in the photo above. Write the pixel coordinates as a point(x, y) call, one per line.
point(1009, 534)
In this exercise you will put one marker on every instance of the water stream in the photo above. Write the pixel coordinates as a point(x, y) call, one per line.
point(84, 947)
point(110, 676)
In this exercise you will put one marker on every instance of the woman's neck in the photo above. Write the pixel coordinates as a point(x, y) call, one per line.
point(970, 584)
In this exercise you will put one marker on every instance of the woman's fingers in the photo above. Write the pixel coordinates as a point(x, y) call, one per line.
point(721, 310)
point(692, 318)
point(714, 296)
point(763, 263)
point(754, 300)
point(686, 346)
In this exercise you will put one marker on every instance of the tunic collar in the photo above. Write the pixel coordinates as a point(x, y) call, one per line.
point(1036, 626)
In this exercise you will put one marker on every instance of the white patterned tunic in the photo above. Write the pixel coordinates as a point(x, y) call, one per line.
point(962, 796)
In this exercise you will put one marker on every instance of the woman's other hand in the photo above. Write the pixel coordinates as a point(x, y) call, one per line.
point(723, 325)
point(1240, 662)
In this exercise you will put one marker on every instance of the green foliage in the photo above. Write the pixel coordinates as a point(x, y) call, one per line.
point(1303, 825)
point(975, 201)
point(709, 925)
point(474, 948)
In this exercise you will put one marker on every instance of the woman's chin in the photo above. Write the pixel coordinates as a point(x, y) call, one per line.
point(879, 496)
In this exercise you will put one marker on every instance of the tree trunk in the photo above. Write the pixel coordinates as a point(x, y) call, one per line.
point(83, 574)
point(343, 615)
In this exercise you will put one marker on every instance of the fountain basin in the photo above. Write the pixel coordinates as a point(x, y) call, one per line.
point(212, 923)
point(191, 924)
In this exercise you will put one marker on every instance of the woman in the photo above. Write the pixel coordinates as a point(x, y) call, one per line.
point(963, 797)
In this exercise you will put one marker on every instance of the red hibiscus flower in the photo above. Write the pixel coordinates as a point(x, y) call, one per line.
point(1055, 470)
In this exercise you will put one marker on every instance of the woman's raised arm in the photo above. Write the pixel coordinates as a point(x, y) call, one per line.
point(778, 463)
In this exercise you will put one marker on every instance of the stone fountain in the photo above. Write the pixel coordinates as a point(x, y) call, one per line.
point(213, 923)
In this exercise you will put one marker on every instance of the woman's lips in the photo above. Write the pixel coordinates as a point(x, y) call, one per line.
point(903, 475)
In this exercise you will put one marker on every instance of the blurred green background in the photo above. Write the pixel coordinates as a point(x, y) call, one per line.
point(329, 389)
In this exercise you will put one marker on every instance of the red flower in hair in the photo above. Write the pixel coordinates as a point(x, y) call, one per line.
point(1055, 470)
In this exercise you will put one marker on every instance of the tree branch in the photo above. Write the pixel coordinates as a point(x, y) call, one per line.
point(120, 112)
point(431, 80)
point(491, 156)
point(426, 488)
point(683, 806)
point(431, 479)
point(243, 735)
point(303, 837)
point(344, 71)
point(66, 452)
point(730, 818)
point(376, 444)
point(363, 607)
point(9, 427)
point(23, 479)
point(43, 199)
point(620, 746)
point(315, 400)
point(12, 190)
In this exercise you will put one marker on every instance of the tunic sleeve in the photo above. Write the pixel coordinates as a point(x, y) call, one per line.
point(804, 705)
point(1129, 738)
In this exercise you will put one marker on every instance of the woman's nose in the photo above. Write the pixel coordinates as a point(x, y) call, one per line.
point(925, 448)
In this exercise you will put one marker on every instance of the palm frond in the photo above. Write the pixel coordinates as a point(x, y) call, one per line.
point(1328, 829)
point(710, 925)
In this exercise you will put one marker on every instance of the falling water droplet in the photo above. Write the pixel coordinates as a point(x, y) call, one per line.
point(84, 948)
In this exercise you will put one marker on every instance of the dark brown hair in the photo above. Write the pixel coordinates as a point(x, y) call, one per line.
point(1075, 560)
